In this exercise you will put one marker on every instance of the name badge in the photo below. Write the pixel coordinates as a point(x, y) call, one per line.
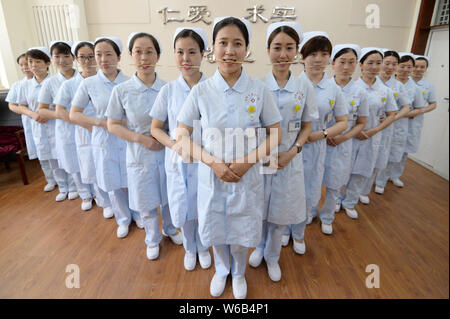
point(330, 117)
point(295, 126)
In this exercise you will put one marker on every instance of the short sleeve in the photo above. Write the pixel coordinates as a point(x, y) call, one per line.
point(13, 93)
point(391, 104)
point(63, 97)
point(418, 101)
point(340, 108)
point(190, 110)
point(115, 108)
point(45, 94)
point(81, 98)
point(363, 109)
point(159, 108)
point(403, 97)
point(270, 114)
point(432, 94)
point(311, 112)
point(22, 94)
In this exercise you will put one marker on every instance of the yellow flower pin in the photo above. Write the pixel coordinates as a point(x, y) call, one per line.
point(297, 108)
point(383, 99)
point(395, 94)
point(424, 92)
point(352, 102)
point(251, 109)
point(331, 102)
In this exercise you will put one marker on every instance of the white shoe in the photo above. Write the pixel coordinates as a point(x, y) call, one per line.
point(351, 213)
point(122, 231)
point(327, 229)
point(364, 199)
point(256, 258)
point(205, 259)
point(152, 252)
point(217, 285)
point(190, 259)
point(274, 272)
point(49, 187)
point(108, 212)
point(73, 195)
point(239, 288)
point(379, 189)
point(86, 205)
point(309, 220)
point(337, 209)
point(299, 248)
point(60, 197)
point(177, 238)
point(139, 223)
point(397, 182)
point(285, 240)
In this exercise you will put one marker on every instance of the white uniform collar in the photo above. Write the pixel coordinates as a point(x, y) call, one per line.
point(322, 84)
point(240, 85)
point(181, 81)
point(272, 84)
point(347, 87)
point(35, 82)
point(119, 78)
point(157, 85)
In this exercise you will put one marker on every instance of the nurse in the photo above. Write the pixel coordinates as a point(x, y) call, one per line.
point(108, 150)
point(189, 46)
point(415, 116)
point(315, 51)
point(75, 136)
point(132, 100)
point(399, 127)
point(63, 59)
point(285, 189)
point(338, 160)
point(43, 132)
point(229, 107)
point(428, 91)
point(382, 108)
point(13, 103)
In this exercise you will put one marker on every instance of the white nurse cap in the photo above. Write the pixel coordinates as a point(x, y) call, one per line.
point(77, 44)
point(132, 34)
point(339, 47)
point(292, 24)
point(402, 54)
point(113, 39)
point(52, 43)
point(42, 49)
point(422, 57)
point(364, 52)
point(244, 21)
point(199, 31)
point(312, 34)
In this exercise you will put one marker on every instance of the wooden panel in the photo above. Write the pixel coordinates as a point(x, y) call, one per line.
point(423, 27)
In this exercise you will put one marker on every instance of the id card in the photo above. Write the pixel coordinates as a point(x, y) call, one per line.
point(295, 126)
point(329, 117)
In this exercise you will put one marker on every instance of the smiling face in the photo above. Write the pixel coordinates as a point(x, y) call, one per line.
point(144, 55)
point(389, 66)
point(187, 52)
point(63, 61)
point(230, 47)
point(372, 65)
point(283, 48)
point(86, 59)
point(38, 67)
point(106, 57)
point(316, 62)
point(345, 65)
point(404, 70)
point(420, 68)
point(23, 64)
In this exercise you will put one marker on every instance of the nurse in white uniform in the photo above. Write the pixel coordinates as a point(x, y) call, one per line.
point(73, 134)
point(285, 188)
point(189, 46)
point(316, 50)
point(63, 59)
point(400, 126)
point(230, 107)
point(43, 132)
point(108, 150)
point(13, 103)
point(382, 108)
point(132, 100)
point(338, 160)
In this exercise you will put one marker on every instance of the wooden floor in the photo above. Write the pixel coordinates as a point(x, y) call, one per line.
point(405, 232)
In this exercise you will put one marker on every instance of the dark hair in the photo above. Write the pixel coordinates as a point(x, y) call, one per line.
point(407, 58)
point(141, 35)
point(363, 59)
point(344, 51)
point(82, 45)
point(319, 43)
point(112, 43)
point(61, 48)
point(23, 55)
point(231, 21)
point(423, 59)
point(38, 54)
point(190, 34)
point(285, 29)
point(392, 53)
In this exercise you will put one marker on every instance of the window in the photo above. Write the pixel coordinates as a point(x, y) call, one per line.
point(442, 12)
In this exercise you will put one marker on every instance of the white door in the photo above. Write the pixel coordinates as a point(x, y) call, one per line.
point(434, 143)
